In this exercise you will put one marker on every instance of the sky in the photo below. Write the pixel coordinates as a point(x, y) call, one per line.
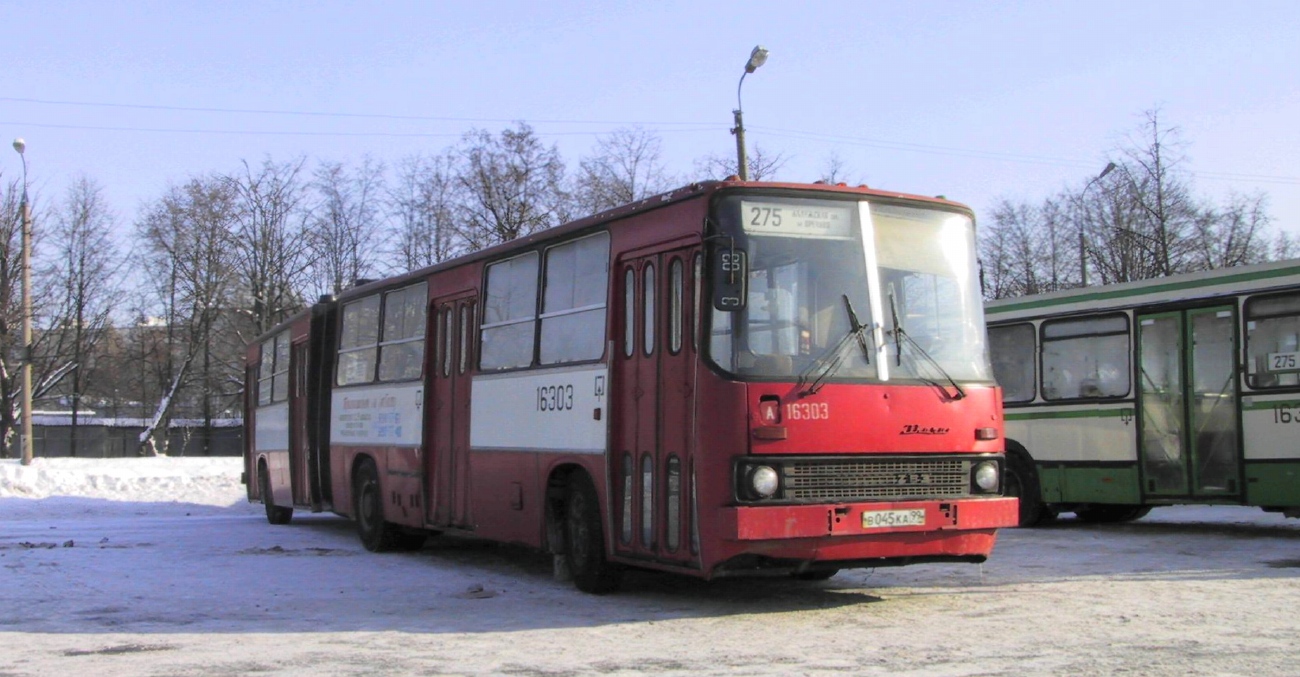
point(976, 101)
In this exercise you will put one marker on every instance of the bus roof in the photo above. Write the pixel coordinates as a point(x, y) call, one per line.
point(1184, 287)
point(686, 192)
point(644, 205)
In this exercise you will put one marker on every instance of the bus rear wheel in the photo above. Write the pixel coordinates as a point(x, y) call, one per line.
point(274, 514)
point(584, 540)
point(1111, 514)
point(378, 534)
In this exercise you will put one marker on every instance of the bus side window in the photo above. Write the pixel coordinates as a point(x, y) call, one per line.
point(401, 348)
point(573, 304)
point(675, 306)
point(1086, 358)
point(509, 314)
point(648, 290)
point(1015, 361)
point(359, 344)
point(629, 312)
point(466, 331)
point(1273, 341)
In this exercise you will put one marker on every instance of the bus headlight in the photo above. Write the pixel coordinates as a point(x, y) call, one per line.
point(764, 481)
point(986, 476)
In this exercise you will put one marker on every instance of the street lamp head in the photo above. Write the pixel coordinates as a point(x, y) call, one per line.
point(20, 145)
point(1110, 167)
point(757, 58)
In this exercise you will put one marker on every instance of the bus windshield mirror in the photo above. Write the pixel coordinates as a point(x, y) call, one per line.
point(730, 278)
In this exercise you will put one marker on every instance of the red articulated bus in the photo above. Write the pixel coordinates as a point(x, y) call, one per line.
point(732, 377)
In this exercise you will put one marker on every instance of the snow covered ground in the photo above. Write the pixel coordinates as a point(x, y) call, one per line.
point(160, 567)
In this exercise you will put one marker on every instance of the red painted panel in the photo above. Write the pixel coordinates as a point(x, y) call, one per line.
point(843, 418)
point(401, 480)
point(507, 498)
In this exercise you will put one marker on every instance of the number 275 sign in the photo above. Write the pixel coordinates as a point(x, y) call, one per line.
point(1284, 361)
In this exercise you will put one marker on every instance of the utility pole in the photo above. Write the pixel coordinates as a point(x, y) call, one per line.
point(756, 58)
point(26, 209)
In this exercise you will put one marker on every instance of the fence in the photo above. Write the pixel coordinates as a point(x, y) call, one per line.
point(52, 436)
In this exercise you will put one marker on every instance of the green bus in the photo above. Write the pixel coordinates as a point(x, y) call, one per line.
point(1179, 390)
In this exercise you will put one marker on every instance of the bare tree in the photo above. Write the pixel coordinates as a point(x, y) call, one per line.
point(270, 240)
point(1016, 254)
point(627, 166)
point(1137, 220)
point(763, 165)
point(510, 186)
point(998, 261)
point(1232, 235)
point(423, 202)
point(83, 274)
point(1283, 246)
point(345, 225)
point(11, 338)
point(835, 170)
point(1119, 246)
point(47, 369)
point(1160, 192)
point(190, 258)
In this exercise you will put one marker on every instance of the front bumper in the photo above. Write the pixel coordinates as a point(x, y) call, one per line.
point(764, 523)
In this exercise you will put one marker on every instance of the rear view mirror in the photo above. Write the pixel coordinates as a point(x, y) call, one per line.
point(730, 278)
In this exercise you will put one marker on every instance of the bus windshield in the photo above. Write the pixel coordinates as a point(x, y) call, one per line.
point(913, 289)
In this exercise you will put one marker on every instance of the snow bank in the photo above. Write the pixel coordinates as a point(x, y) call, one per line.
point(48, 484)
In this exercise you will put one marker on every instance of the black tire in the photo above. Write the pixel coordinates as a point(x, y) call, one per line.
point(1111, 514)
point(815, 575)
point(274, 514)
point(1021, 481)
point(584, 540)
point(376, 533)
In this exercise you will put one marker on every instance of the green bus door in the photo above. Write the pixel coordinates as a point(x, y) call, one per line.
point(1187, 403)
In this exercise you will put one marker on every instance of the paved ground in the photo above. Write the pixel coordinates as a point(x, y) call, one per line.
point(151, 589)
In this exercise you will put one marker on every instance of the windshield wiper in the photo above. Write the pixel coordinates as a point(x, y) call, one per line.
point(898, 328)
point(857, 329)
point(831, 361)
point(900, 336)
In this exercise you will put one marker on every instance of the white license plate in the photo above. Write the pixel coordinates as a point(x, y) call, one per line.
point(877, 519)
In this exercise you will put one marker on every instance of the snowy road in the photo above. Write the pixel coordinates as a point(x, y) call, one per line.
point(93, 586)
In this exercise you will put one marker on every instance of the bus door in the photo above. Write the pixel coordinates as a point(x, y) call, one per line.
point(299, 458)
point(451, 320)
point(1188, 403)
point(653, 380)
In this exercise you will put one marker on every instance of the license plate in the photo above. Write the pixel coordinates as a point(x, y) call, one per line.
point(877, 519)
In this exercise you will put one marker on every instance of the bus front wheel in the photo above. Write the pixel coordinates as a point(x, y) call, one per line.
point(815, 575)
point(1022, 482)
point(584, 540)
point(1111, 514)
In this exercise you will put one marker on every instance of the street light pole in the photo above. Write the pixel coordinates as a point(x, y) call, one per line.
point(757, 58)
point(26, 210)
point(1083, 248)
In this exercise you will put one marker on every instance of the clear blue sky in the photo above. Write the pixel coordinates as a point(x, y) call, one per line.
point(972, 100)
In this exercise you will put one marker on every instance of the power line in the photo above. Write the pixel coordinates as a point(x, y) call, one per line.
point(921, 148)
point(372, 116)
point(688, 127)
point(235, 132)
point(996, 155)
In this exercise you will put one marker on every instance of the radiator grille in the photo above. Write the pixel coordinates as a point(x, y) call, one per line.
point(839, 481)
